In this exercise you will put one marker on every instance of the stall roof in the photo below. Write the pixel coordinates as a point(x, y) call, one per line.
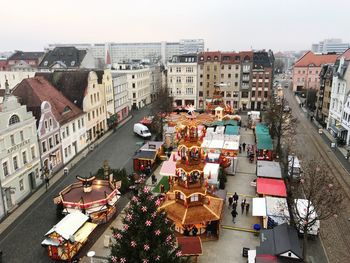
point(205, 143)
point(234, 138)
point(259, 207)
point(216, 144)
point(231, 145)
point(220, 130)
point(146, 155)
point(190, 246)
point(271, 187)
point(268, 169)
point(231, 122)
point(277, 209)
point(213, 170)
point(232, 130)
point(261, 128)
point(168, 168)
point(84, 232)
point(69, 225)
point(151, 146)
point(264, 142)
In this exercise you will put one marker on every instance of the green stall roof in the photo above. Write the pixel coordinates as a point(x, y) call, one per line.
point(264, 142)
point(232, 130)
point(231, 122)
point(261, 128)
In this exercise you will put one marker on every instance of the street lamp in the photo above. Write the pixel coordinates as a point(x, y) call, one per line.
point(91, 254)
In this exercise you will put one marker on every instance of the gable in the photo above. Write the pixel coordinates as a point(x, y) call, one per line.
point(289, 254)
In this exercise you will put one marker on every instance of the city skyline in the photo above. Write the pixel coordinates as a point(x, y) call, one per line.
point(226, 25)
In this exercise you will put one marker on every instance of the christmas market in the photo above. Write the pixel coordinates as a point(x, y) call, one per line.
point(95, 198)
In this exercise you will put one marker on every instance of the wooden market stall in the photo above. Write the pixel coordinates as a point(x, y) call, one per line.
point(147, 155)
point(191, 247)
point(65, 239)
point(95, 198)
point(264, 147)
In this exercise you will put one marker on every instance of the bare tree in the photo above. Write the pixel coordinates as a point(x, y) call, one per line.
point(282, 122)
point(162, 106)
point(323, 198)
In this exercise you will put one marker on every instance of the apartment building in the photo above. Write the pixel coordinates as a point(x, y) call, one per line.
point(121, 99)
point(182, 80)
point(324, 95)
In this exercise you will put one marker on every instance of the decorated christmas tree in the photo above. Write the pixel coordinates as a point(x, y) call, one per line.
point(147, 235)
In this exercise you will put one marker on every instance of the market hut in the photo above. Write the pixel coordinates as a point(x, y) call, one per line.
point(271, 187)
point(65, 239)
point(95, 198)
point(147, 155)
point(268, 169)
point(265, 147)
point(191, 247)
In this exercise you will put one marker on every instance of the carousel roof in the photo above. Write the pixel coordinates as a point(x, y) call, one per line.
point(190, 120)
point(190, 191)
point(190, 167)
point(194, 214)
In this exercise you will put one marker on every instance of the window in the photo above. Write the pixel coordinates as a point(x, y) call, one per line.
point(132, 76)
point(215, 68)
point(236, 84)
point(79, 124)
point(65, 152)
point(259, 94)
point(253, 93)
point(82, 122)
point(189, 79)
point(91, 100)
point(57, 139)
point(5, 168)
point(229, 76)
point(229, 66)
point(265, 94)
point(133, 85)
point(222, 75)
point(21, 135)
point(201, 84)
point(236, 75)
point(50, 143)
point(50, 122)
point(12, 138)
point(207, 93)
point(21, 185)
point(24, 156)
point(67, 130)
point(134, 95)
point(15, 163)
point(194, 198)
point(245, 94)
point(43, 144)
point(178, 69)
point(73, 126)
point(32, 149)
point(189, 69)
point(69, 150)
point(178, 79)
point(237, 67)
point(201, 94)
point(189, 91)
point(14, 119)
point(208, 77)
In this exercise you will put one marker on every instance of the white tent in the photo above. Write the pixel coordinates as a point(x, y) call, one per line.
point(213, 170)
point(220, 130)
point(259, 207)
point(231, 145)
point(277, 209)
point(216, 144)
point(302, 205)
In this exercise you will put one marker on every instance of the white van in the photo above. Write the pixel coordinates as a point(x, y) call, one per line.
point(295, 166)
point(142, 130)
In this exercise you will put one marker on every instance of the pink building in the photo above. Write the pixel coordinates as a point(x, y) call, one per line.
point(306, 71)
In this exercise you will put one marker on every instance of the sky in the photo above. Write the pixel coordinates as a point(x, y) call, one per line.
point(225, 25)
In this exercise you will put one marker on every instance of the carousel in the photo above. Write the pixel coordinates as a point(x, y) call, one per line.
point(95, 198)
point(191, 202)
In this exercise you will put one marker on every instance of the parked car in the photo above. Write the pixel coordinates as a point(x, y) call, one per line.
point(142, 130)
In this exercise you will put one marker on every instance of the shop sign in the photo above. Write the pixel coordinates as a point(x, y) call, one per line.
point(18, 146)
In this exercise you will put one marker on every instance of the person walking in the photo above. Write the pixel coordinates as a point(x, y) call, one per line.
point(242, 206)
point(247, 205)
point(234, 206)
point(235, 197)
point(230, 201)
point(234, 214)
point(240, 148)
point(244, 144)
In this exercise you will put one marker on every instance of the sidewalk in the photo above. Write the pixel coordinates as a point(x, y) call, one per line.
point(42, 189)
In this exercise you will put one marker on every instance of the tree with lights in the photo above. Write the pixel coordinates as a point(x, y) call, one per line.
point(147, 235)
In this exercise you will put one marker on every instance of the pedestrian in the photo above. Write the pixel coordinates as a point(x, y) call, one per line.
point(247, 205)
point(186, 231)
point(194, 231)
point(234, 214)
point(230, 201)
point(235, 197)
point(242, 206)
point(240, 148)
point(234, 206)
point(244, 144)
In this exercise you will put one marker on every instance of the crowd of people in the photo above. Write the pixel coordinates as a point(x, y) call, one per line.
point(233, 203)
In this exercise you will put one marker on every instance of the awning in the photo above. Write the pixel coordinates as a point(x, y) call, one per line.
point(337, 129)
point(271, 187)
point(259, 207)
point(84, 232)
point(50, 242)
point(168, 168)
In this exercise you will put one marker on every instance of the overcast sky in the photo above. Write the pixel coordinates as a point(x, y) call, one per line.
point(223, 24)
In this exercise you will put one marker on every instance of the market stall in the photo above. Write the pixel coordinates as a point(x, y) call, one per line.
point(271, 187)
point(230, 151)
point(264, 147)
point(232, 130)
point(268, 169)
point(211, 171)
point(190, 247)
point(144, 159)
point(65, 239)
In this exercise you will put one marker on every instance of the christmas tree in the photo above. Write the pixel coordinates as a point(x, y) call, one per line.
point(147, 235)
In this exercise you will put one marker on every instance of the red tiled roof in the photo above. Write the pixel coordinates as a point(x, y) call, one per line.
point(315, 59)
point(346, 54)
point(3, 64)
point(33, 91)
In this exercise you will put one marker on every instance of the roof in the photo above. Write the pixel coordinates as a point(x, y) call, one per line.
point(69, 225)
point(279, 240)
point(20, 55)
point(232, 130)
point(271, 187)
point(151, 146)
point(346, 54)
point(3, 64)
point(309, 58)
point(33, 91)
point(71, 83)
point(70, 57)
point(190, 246)
point(147, 155)
point(268, 169)
point(261, 59)
point(168, 168)
point(264, 142)
point(261, 128)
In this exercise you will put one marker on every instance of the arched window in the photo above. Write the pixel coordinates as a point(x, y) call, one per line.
point(14, 119)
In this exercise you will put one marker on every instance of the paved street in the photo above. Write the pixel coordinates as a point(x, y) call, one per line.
point(21, 241)
point(310, 144)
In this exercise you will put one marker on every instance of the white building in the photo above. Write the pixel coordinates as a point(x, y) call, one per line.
point(330, 45)
point(156, 80)
point(19, 155)
point(182, 80)
point(121, 99)
point(338, 116)
point(138, 78)
point(14, 77)
point(154, 51)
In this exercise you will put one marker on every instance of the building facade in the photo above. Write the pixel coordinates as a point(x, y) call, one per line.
point(182, 80)
point(138, 78)
point(24, 61)
point(19, 156)
point(121, 99)
point(338, 118)
point(156, 84)
point(324, 95)
point(306, 70)
point(331, 45)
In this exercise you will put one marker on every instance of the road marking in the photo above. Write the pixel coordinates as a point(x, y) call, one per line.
point(240, 229)
point(244, 195)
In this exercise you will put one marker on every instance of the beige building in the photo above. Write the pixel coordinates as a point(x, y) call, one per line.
point(182, 80)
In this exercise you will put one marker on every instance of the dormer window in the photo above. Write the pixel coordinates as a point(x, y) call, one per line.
point(72, 63)
point(66, 110)
point(215, 58)
point(45, 63)
point(202, 58)
point(14, 119)
point(208, 58)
